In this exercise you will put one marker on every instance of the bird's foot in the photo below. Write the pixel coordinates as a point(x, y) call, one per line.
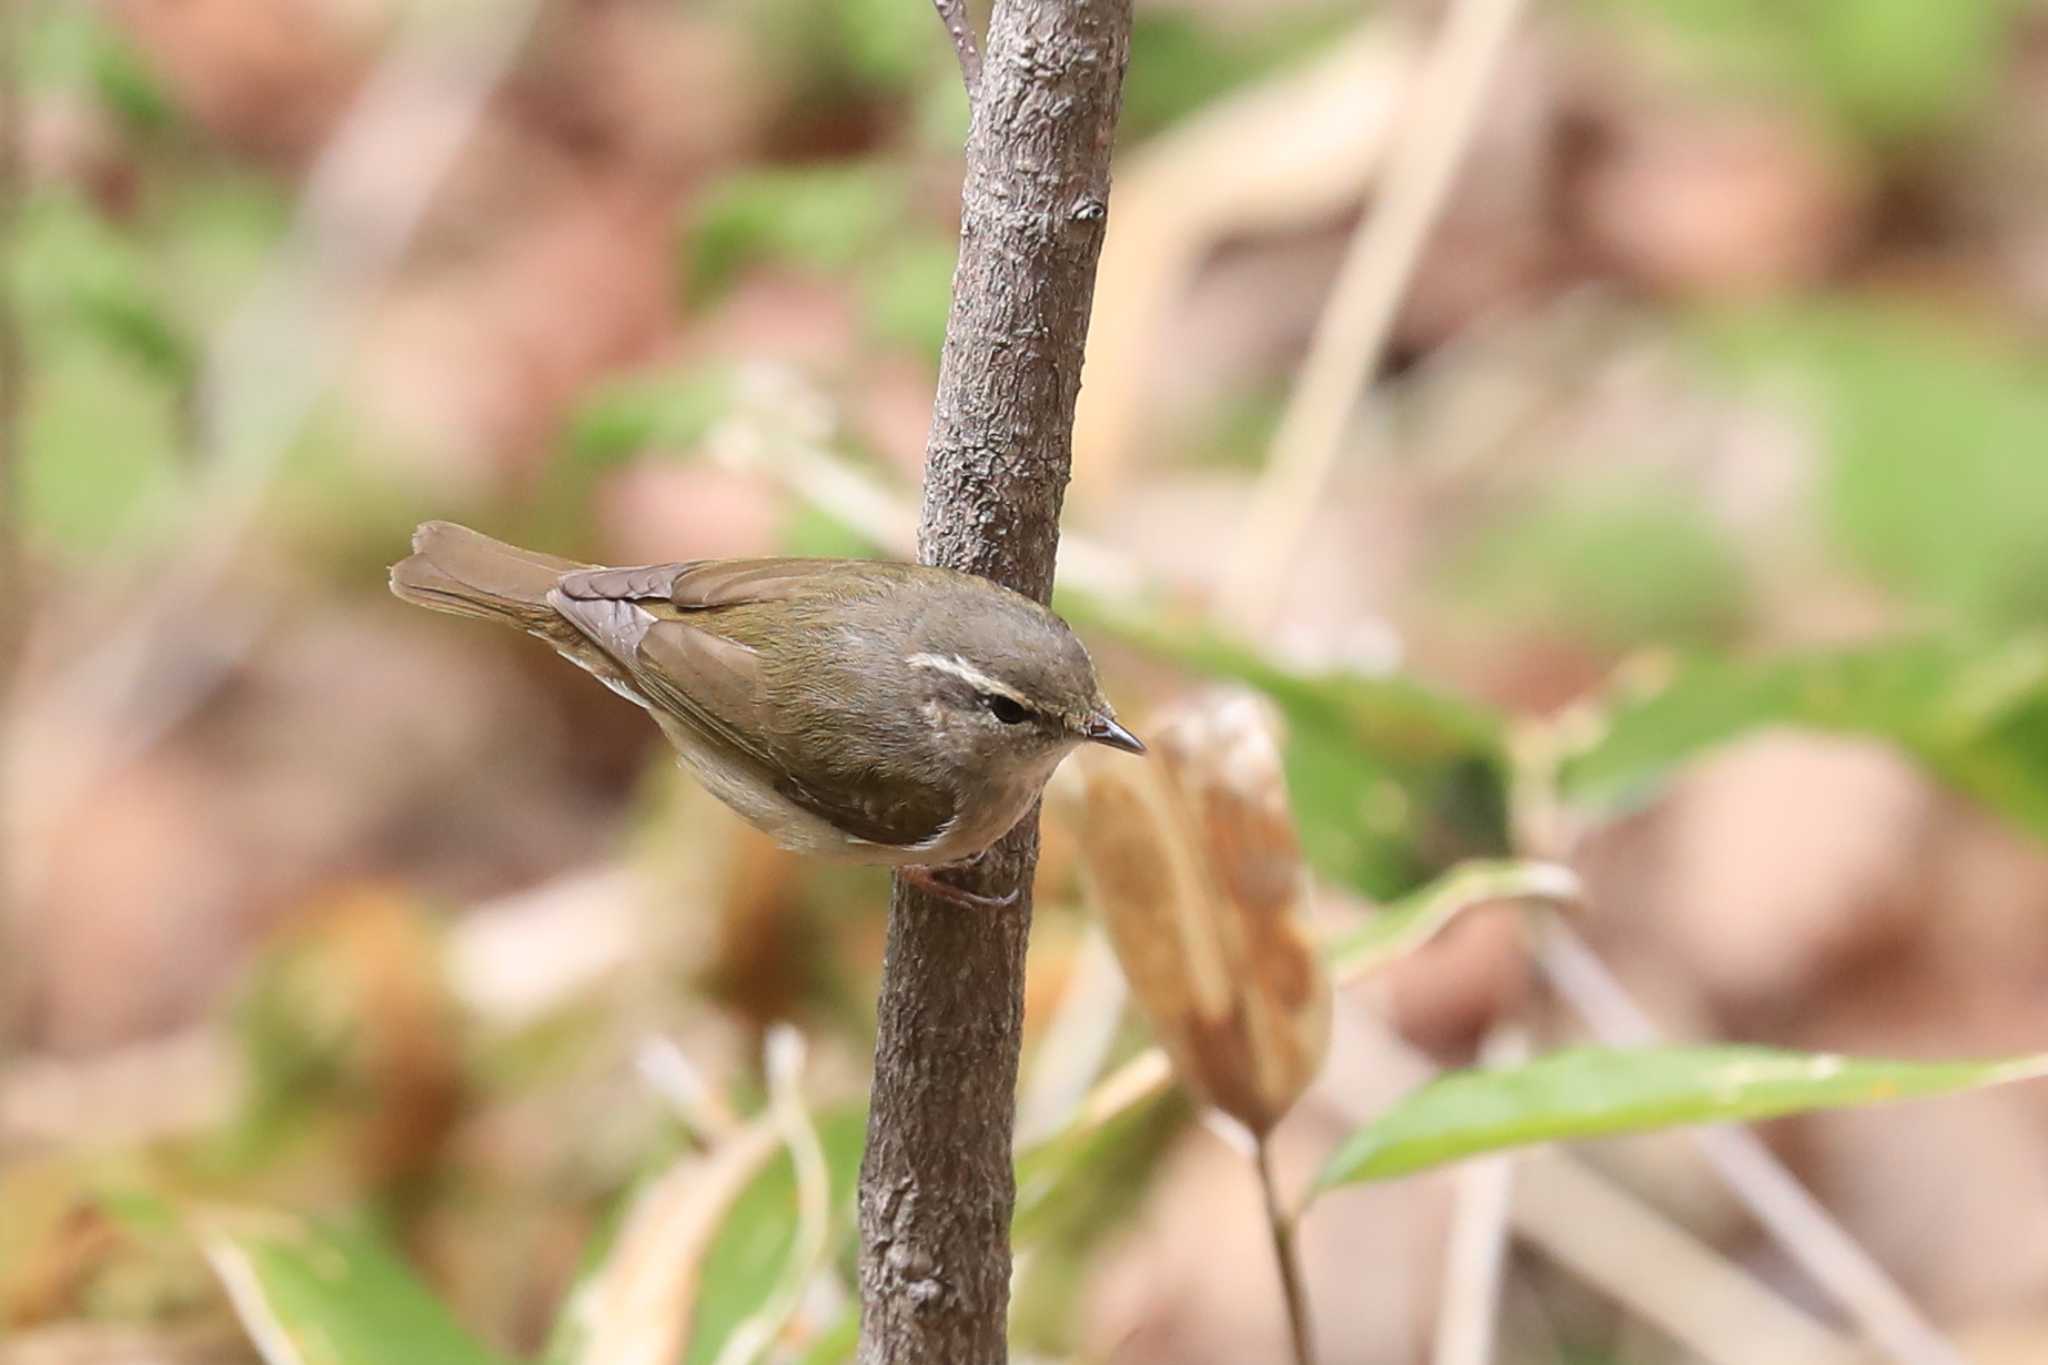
point(928, 879)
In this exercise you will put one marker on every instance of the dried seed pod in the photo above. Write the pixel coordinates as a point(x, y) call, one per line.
point(1195, 864)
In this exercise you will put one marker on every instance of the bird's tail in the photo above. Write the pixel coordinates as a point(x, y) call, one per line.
point(465, 573)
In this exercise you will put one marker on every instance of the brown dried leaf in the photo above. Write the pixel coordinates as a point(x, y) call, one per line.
point(1195, 864)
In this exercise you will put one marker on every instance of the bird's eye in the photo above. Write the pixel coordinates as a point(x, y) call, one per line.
point(1005, 709)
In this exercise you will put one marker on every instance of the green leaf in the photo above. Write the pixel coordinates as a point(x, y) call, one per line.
point(1075, 1190)
point(1600, 1092)
point(1396, 930)
point(1090, 1171)
point(747, 1261)
point(1976, 717)
point(319, 1295)
point(747, 1258)
point(1391, 782)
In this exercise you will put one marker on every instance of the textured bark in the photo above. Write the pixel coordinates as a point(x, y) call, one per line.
point(936, 1186)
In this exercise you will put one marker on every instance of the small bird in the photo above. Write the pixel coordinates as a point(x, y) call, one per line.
point(877, 712)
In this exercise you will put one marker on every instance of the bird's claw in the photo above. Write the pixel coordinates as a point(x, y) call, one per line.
point(927, 879)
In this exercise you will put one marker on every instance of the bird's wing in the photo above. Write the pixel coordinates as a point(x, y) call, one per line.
point(662, 622)
point(706, 678)
point(897, 818)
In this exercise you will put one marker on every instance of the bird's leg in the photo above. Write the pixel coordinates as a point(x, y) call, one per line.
point(928, 879)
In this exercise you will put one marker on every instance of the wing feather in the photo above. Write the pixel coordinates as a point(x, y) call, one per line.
point(661, 622)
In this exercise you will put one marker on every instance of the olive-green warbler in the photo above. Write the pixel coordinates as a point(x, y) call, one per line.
point(885, 713)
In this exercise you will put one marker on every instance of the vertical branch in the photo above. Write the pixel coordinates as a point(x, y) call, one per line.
point(937, 1185)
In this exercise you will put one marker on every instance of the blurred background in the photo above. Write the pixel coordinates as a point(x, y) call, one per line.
point(1726, 355)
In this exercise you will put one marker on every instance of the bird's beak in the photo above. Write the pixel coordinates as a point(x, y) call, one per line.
point(1102, 728)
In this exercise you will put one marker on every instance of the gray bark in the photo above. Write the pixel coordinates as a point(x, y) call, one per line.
point(936, 1186)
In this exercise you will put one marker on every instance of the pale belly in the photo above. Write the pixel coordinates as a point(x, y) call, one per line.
point(781, 819)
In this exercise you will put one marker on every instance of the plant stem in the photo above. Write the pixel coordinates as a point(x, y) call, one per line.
point(937, 1183)
point(1282, 1223)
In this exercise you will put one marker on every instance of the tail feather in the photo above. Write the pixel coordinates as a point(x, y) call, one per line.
point(465, 573)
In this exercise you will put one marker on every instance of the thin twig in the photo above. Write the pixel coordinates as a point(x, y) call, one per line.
point(1351, 336)
point(1282, 1223)
point(960, 28)
point(1792, 1215)
point(1657, 1270)
point(1470, 1308)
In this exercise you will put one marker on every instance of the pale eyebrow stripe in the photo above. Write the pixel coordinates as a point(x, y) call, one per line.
point(969, 674)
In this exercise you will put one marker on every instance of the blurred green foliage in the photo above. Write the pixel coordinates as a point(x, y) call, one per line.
point(81, 278)
point(105, 411)
point(1617, 568)
point(907, 292)
point(749, 1260)
point(845, 221)
point(1976, 716)
point(114, 305)
point(836, 50)
point(1935, 479)
point(665, 410)
point(1076, 1191)
point(828, 218)
point(1182, 60)
point(1889, 69)
point(75, 49)
point(1934, 486)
